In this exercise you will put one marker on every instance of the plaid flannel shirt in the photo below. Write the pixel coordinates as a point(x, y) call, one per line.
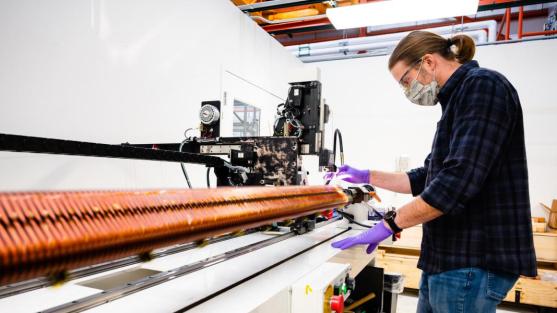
point(476, 174)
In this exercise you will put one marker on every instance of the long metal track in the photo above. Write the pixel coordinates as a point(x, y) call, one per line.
point(225, 289)
point(144, 283)
point(150, 281)
point(33, 284)
point(17, 143)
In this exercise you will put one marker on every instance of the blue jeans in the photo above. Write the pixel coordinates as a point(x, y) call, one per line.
point(466, 290)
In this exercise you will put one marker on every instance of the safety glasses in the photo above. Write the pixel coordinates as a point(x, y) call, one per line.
point(402, 82)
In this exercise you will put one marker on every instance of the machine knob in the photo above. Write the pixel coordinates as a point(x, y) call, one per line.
point(337, 303)
point(209, 114)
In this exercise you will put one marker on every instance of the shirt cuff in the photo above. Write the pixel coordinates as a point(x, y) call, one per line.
point(417, 181)
point(441, 198)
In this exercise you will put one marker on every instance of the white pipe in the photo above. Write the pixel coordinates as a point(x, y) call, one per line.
point(479, 36)
point(379, 48)
point(411, 24)
point(334, 57)
point(351, 48)
point(490, 25)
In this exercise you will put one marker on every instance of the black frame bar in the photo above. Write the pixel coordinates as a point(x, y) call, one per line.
point(18, 143)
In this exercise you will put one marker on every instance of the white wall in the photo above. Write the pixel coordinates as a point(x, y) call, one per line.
point(126, 71)
point(379, 124)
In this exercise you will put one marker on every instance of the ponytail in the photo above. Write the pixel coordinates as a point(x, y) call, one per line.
point(419, 43)
point(465, 48)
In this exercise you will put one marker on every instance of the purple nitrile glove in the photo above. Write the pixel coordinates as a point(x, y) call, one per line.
point(370, 237)
point(350, 174)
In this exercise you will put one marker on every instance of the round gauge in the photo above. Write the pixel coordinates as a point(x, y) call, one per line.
point(209, 114)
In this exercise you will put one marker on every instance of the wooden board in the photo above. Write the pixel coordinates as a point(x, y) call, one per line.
point(539, 227)
point(400, 263)
point(532, 291)
point(535, 292)
point(545, 244)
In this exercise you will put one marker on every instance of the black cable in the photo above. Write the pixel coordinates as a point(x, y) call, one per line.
point(183, 166)
point(351, 220)
point(341, 147)
point(208, 181)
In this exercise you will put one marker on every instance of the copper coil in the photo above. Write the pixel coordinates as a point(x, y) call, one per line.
point(45, 233)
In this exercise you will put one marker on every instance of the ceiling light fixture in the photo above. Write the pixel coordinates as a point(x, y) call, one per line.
point(398, 11)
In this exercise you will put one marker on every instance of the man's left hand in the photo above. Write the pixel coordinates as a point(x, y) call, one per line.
point(370, 237)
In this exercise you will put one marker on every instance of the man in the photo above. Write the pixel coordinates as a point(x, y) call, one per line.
point(472, 192)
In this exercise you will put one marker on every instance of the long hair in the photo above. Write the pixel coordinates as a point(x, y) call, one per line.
point(418, 43)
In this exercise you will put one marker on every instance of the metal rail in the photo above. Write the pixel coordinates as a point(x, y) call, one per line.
point(225, 289)
point(153, 280)
point(33, 284)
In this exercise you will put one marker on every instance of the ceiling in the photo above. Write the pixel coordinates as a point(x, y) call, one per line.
point(295, 22)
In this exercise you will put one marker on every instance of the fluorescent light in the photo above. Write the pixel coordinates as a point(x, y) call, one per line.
point(398, 11)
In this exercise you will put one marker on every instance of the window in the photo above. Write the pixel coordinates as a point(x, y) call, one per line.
point(246, 120)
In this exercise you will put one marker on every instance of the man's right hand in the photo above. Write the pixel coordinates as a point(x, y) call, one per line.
point(350, 174)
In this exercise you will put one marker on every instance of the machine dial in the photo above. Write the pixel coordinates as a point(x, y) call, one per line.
point(209, 114)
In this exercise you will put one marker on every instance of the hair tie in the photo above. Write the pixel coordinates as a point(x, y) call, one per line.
point(449, 42)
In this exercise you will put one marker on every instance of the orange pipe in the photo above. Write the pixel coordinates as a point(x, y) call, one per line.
point(45, 233)
point(508, 29)
point(542, 33)
point(520, 21)
point(503, 19)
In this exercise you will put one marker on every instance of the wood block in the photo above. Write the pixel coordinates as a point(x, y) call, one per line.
point(400, 263)
point(535, 292)
point(546, 246)
point(538, 227)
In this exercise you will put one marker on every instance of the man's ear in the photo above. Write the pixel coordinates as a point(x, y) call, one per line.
point(429, 61)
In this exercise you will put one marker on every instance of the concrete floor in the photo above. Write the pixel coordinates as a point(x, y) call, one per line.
point(408, 302)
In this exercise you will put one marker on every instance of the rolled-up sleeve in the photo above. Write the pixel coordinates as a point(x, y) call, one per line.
point(417, 178)
point(482, 124)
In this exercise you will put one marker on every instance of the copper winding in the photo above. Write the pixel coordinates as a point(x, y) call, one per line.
point(44, 233)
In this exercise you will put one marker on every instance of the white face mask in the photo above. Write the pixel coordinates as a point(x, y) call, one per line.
point(421, 94)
